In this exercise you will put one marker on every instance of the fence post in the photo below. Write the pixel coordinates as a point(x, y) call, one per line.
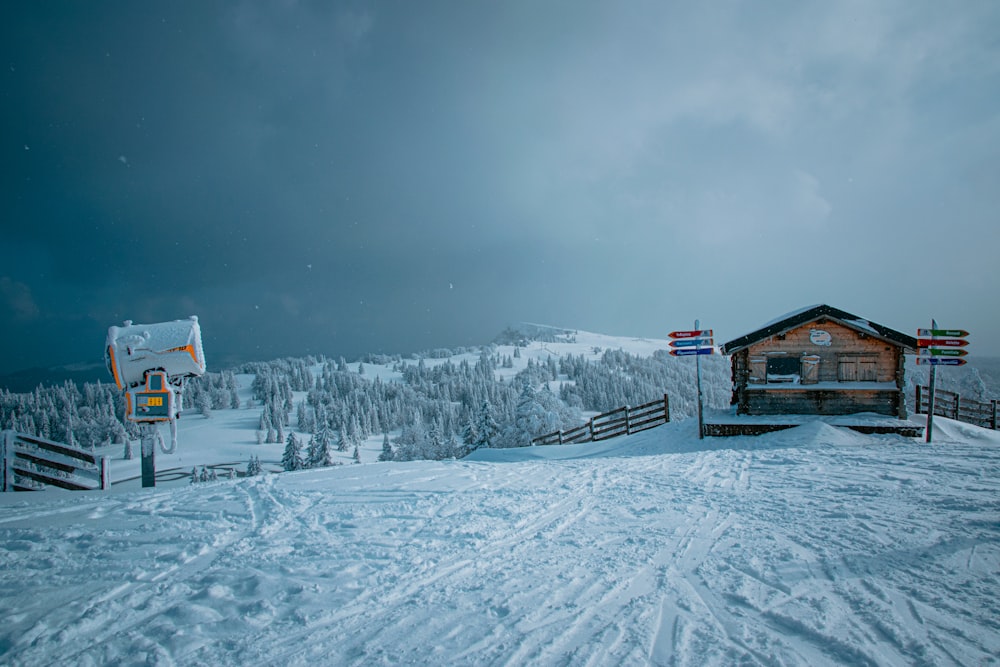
point(993, 421)
point(666, 408)
point(590, 425)
point(919, 397)
point(7, 443)
point(560, 436)
point(958, 401)
point(628, 422)
point(105, 473)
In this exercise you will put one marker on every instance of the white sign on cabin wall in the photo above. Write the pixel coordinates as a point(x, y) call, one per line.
point(820, 337)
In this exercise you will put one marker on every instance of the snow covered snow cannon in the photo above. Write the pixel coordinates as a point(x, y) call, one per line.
point(150, 363)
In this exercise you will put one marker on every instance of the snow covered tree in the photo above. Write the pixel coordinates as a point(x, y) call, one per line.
point(357, 455)
point(203, 404)
point(291, 459)
point(485, 429)
point(386, 454)
point(253, 467)
point(537, 412)
point(319, 454)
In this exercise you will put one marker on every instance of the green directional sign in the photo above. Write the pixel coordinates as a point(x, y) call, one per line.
point(942, 333)
point(941, 352)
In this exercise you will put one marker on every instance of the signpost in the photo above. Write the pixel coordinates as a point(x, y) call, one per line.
point(688, 351)
point(942, 333)
point(941, 342)
point(691, 342)
point(939, 347)
point(941, 361)
point(699, 333)
point(934, 352)
point(694, 343)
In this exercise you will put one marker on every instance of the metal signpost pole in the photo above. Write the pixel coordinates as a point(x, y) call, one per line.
point(147, 432)
point(930, 394)
point(701, 420)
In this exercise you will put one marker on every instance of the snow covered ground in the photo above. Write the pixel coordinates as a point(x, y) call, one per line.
point(811, 546)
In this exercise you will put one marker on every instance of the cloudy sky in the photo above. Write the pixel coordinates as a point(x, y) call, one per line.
point(336, 178)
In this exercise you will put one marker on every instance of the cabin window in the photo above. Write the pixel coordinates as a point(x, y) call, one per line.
point(783, 369)
point(156, 382)
point(857, 368)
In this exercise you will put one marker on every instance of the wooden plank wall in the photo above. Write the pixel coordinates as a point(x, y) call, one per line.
point(868, 354)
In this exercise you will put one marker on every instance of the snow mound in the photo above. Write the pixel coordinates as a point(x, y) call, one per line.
point(818, 434)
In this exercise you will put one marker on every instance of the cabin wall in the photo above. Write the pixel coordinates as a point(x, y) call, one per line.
point(832, 353)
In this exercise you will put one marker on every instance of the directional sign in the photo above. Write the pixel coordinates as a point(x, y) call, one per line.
point(687, 351)
point(704, 333)
point(940, 361)
point(941, 352)
point(942, 342)
point(942, 333)
point(691, 342)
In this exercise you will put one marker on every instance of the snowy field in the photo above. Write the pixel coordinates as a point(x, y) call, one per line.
point(812, 546)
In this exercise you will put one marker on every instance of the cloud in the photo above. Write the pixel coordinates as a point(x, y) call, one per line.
point(17, 299)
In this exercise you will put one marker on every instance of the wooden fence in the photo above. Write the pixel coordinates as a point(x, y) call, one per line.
point(952, 405)
point(26, 457)
point(622, 421)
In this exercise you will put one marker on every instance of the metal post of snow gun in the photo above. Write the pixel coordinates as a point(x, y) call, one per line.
point(150, 363)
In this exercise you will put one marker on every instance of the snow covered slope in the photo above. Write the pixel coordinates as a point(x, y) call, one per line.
point(812, 546)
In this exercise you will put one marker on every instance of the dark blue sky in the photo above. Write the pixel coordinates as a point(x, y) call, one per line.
point(346, 177)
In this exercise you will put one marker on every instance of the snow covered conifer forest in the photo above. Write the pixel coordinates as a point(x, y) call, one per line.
point(433, 405)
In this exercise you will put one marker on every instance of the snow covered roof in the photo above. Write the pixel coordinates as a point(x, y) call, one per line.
point(801, 316)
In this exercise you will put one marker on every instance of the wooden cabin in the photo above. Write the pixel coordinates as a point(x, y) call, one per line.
point(819, 361)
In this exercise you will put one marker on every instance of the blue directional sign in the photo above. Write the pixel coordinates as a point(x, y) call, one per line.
point(692, 342)
point(687, 351)
point(938, 361)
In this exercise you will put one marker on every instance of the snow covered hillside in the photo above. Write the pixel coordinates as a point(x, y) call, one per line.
point(812, 546)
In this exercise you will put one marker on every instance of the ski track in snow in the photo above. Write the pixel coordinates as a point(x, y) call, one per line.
point(810, 547)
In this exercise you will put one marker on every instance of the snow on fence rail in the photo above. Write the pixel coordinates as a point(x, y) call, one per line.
point(26, 457)
point(952, 405)
point(621, 421)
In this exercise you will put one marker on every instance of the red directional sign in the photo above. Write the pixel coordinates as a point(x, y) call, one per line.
point(942, 342)
point(704, 333)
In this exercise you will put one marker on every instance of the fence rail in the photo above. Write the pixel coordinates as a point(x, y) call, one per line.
point(26, 457)
point(952, 405)
point(621, 421)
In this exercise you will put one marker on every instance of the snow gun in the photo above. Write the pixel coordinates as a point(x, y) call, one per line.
point(150, 363)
